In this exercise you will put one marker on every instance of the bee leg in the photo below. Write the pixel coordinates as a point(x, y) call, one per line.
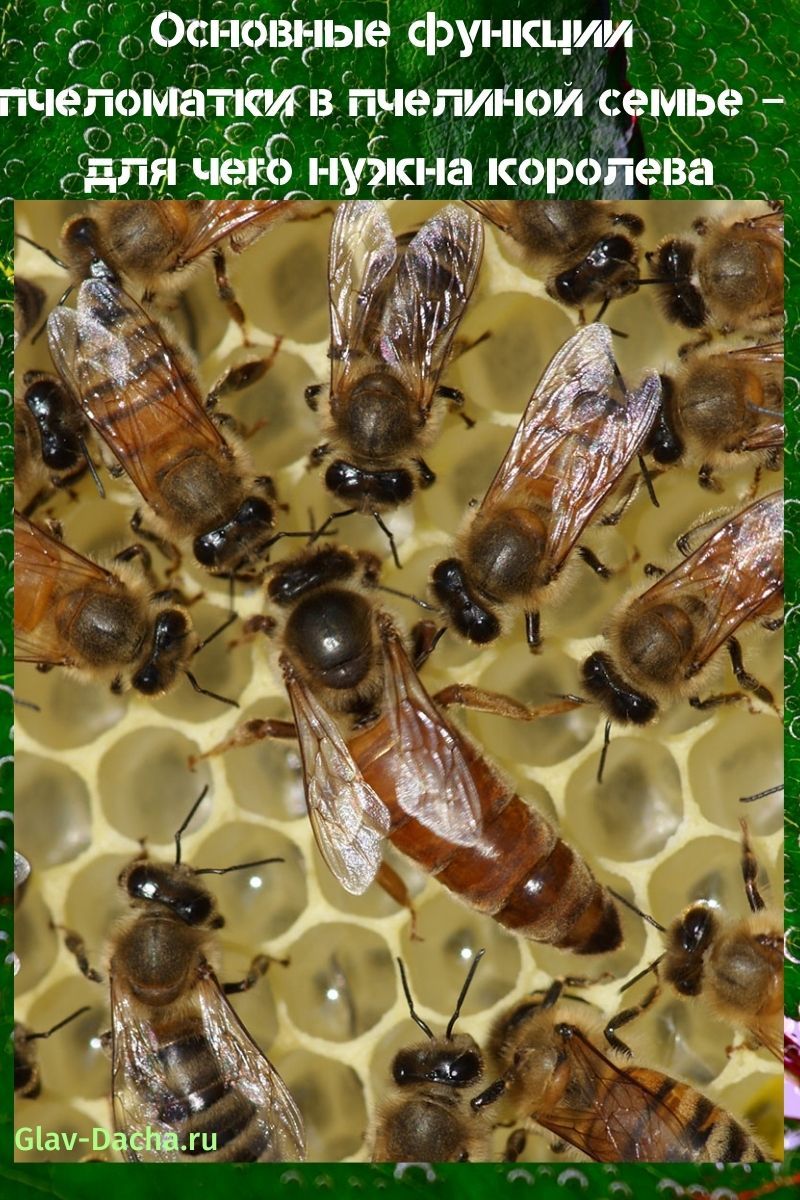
point(388, 879)
point(252, 626)
point(237, 378)
point(227, 295)
point(427, 477)
point(311, 395)
point(390, 537)
point(318, 455)
point(625, 1017)
point(502, 706)
point(246, 734)
point(533, 632)
point(597, 565)
point(715, 701)
point(258, 967)
point(707, 479)
point(170, 551)
point(515, 1145)
point(750, 872)
point(77, 948)
point(455, 399)
point(139, 553)
point(489, 1095)
point(425, 637)
point(743, 678)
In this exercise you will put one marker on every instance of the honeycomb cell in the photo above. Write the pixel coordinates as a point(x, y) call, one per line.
point(53, 822)
point(70, 713)
point(216, 668)
point(741, 755)
point(35, 940)
point(146, 788)
point(330, 1096)
point(94, 900)
point(266, 778)
point(72, 1061)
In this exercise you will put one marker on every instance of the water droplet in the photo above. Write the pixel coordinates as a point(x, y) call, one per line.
point(83, 54)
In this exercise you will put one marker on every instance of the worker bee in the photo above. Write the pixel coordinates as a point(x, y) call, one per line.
point(721, 406)
point(27, 1076)
point(577, 437)
point(728, 277)
point(182, 1062)
point(401, 770)
point(736, 965)
point(29, 300)
point(662, 640)
point(585, 249)
point(50, 433)
point(71, 612)
point(394, 310)
point(428, 1118)
point(555, 1075)
point(140, 394)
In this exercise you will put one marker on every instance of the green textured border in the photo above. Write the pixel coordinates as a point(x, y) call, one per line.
point(675, 44)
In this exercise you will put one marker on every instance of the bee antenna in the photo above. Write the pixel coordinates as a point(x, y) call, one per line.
point(98, 483)
point(645, 916)
point(205, 691)
point(641, 974)
point(183, 827)
point(470, 975)
point(648, 482)
point(604, 752)
point(31, 1037)
point(390, 536)
point(43, 250)
point(259, 862)
point(380, 587)
point(760, 795)
point(220, 629)
point(426, 1029)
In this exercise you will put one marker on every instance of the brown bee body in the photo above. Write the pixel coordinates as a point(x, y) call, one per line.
point(577, 437)
point(661, 640)
point(142, 398)
point(394, 308)
point(734, 964)
point(427, 1117)
point(728, 278)
point(71, 612)
point(403, 771)
point(27, 1074)
point(721, 406)
point(582, 248)
point(50, 433)
point(555, 1075)
point(29, 300)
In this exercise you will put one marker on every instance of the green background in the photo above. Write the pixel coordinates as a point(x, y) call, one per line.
point(741, 45)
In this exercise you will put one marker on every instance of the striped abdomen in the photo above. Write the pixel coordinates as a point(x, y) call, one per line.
point(519, 871)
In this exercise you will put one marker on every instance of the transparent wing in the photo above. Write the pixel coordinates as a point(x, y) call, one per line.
point(434, 281)
point(580, 431)
point(733, 577)
point(131, 383)
point(240, 220)
point(499, 212)
point(361, 256)
point(349, 821)
point(44, 569)
point(433, 780)
point(143, 1088)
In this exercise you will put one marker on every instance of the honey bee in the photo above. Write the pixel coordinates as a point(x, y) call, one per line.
point(71, 612)
point(156, 245)
point(736, 965)
point(140, 394)
point(394, 310)
point(402, 771)
point(428, 1118)
point(50, 433)
point(27, 1076)
point(29, 301)
point(182, 1062)
point(555, 1075)
point(721, 406)
point(577, 437)
point(585, 249)
point(662, 640)
point(728, 277)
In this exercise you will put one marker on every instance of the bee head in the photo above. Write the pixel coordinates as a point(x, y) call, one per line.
point(608, 270)
point(663, 441)
point(173, 886)
point(467, 614)
point(167, 653)
point(455, 1062)
point(239, 540)
point(622, 702)
point(369, 489)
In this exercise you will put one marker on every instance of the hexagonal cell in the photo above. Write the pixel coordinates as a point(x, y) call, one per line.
point(72, 1061)
point(94, 900)
point(53, 820)
point(146, 787)
point(341, 981)
point(464, 462)
point(258, 903)
point(331, 1099)
point(267, 778)
point(70, 712)
point(741, 755)
point(634, 812)
point(216, 668)
point(286, 284)
point(35, 940)
point(256, 1007)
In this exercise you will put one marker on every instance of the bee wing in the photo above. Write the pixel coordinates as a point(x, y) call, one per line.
point(43, 569)
point(348, 819)
point(362, 254)
point(143, 1083)
point(497, 211)
point(434, 281)
point(580, 431)
point(735, 575)
point(622, 1118)
point(240, 220)
point(771, 223)
point(433, 781)
point(767, 352)
point(132, 385)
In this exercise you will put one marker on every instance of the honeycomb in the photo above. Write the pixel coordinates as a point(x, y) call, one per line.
point(95, 773)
